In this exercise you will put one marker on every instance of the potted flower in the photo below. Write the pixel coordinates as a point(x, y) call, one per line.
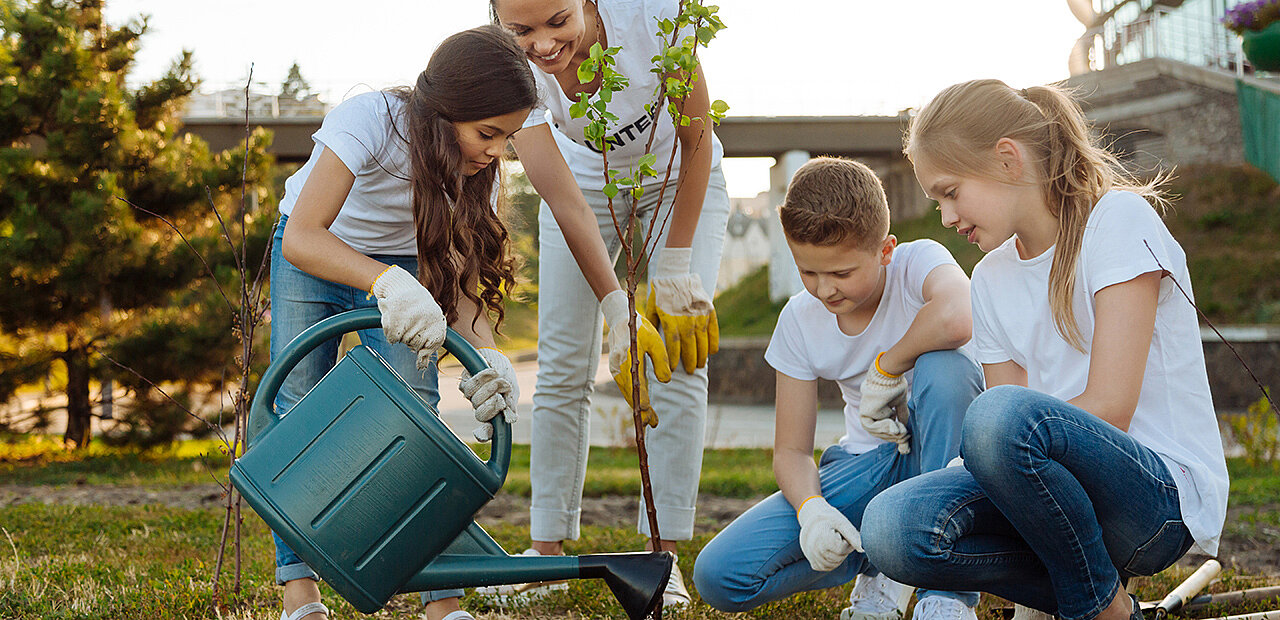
point(1258, 24)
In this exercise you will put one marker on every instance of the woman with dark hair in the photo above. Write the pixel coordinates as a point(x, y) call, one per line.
point(396, 207)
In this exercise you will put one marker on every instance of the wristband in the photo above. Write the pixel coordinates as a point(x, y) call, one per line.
point(881, 370)
point(374, 284)
point(806, 500)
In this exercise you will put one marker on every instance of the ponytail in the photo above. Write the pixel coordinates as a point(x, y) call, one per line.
point(959, 129)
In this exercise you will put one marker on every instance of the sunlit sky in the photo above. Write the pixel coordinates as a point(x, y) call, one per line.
point(801, 57)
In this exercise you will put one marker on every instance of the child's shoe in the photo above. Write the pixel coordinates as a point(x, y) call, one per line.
point(521, 593)
point(942, 608)
point(876, 598)
point(1027, 613)
point(305, 610)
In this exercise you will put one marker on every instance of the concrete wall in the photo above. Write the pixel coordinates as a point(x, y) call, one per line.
point(739, 374)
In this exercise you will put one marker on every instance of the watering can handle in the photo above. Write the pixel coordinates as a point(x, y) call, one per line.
point(262, 414)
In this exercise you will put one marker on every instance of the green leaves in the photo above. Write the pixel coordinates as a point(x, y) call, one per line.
point(677, 64)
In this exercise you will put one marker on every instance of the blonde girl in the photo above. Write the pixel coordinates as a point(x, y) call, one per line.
point(1094, 454)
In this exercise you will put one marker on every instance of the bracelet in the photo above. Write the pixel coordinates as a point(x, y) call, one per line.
point(374, 284)
point(881, 370)
point(806, 500)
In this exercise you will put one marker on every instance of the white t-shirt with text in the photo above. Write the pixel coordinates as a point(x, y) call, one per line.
point(808, 344)
point(1123, 239)
point(631, 25)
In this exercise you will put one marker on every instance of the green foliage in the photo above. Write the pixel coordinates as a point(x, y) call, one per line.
point(79, 151)
point(677, 63)
point(745, 309)
point(1257, 431)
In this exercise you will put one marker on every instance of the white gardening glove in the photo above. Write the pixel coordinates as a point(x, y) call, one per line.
point(409, 313)
point(648, 343)
point(491, 391)
point(826, 536)
point(884, 397)
point(956, 462)
point(679, 305)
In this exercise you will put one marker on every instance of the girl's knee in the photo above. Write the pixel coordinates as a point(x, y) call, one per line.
point(888, 534)
point(993, 417)
point(714, 575)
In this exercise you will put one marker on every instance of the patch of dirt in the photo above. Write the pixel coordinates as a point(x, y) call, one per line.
point(1248, 544)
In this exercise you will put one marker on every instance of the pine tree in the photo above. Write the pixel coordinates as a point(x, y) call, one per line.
point(85, 269)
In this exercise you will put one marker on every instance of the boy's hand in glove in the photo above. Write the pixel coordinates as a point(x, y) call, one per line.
point(826, 536)
point(884, 397)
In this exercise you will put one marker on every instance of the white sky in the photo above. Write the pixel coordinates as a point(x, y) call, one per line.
point(798, 57)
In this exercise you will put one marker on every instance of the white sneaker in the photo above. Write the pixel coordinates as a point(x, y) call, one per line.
point(942, 608)
point(521, 593)
point(876, 598)
point(676, 594)
point(1027, 613)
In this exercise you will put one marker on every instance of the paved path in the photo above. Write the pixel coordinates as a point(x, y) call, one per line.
point(728, 426)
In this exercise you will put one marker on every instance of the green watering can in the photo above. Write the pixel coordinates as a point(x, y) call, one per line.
point(374, 492)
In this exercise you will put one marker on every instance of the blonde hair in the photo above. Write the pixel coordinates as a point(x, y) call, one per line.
point(832, 200)
point(958, 131)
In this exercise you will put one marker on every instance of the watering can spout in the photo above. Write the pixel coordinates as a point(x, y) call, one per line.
point(637, 580)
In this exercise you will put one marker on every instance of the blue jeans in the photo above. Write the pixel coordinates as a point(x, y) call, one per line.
point(300, 300)
point(1053, 509)
point(757, 558)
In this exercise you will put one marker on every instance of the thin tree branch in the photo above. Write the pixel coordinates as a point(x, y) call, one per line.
point(1261, 387)
point(207, 268)
point(157, 388)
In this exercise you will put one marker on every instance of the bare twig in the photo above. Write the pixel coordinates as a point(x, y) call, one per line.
point(207, 268)
point(1261, 387)
point(157, 388)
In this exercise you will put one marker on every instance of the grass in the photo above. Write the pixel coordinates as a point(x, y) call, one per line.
point(40, 460)
point(157, 563)
point(143, 561)
point(1225, 218)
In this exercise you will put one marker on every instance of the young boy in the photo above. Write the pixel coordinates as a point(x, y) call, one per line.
point(884, 320)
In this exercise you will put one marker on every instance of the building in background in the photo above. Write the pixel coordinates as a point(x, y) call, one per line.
point(746, 240)
point(1120, 32)
point(1164, 81)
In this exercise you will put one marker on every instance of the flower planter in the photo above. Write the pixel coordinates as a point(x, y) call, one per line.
point(1262, 47)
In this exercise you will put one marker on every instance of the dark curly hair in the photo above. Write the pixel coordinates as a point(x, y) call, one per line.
point(463, 244)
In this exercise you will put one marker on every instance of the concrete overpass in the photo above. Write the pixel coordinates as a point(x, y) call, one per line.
point(745, 136)
point(790, 140)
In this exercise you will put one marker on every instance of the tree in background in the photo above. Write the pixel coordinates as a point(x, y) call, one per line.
point(295, 86)
point(92, 176)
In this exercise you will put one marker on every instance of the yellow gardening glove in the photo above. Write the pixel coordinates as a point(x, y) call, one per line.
point(648, 342)
point(679, 305)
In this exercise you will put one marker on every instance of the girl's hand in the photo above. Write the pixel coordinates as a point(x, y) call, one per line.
point(409, 313)
point(648, 343)
point(491, 391)
point(679, 305)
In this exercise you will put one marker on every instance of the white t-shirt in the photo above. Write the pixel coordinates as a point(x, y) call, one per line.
point(808, 344)
point(631, 25)
point(1174, 416)
point(377, 216)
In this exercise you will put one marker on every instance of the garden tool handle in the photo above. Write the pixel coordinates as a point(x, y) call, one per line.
point(262, 414)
